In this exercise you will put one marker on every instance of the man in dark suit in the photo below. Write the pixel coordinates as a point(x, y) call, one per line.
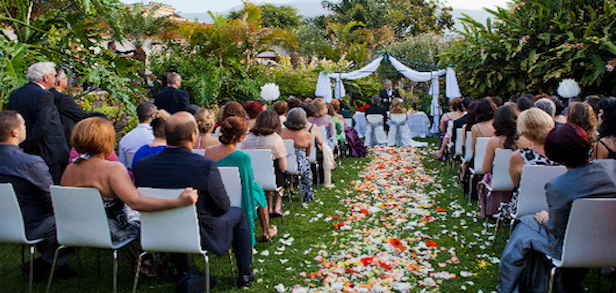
point(70, 112)
point(177, 167)
point(388, 93)
point(375, 108)
point(35, 103)
point(171, 98)
point(31, 180)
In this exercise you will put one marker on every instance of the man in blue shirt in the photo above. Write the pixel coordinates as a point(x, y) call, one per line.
point(31, 180)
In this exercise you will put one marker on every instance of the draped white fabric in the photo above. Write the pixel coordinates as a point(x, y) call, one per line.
point(324, 88)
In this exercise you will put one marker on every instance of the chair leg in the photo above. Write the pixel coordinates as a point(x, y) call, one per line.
point(318, 177)
point(137, 270)
point(115, 271)
point(98, 263)
point(207, 273)
point(495, 231)
point(231, 258)
point(552, 273)
point(599, 280)
point(31, 276)
point(53, 265)
point(470, 189)
point(23, 252)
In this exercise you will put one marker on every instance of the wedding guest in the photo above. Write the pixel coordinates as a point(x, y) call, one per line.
point(607, 130)
point(70, 112)
point(484, 120)
point(264, 135)
point(456, 112)
point(583, 115)
point(140, 135)
point(546, 105)
point(559, 118)
point(171, 98)
point(225, 154)
point(302, 141)
point(252, 109)
point(321, 118)
point(159, 143)
point(281, 108)
point(205, 121)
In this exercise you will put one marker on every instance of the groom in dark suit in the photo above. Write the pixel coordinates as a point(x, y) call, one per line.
point(171, 98)
point(35, 103)
point(178, 167)
point(388, 94)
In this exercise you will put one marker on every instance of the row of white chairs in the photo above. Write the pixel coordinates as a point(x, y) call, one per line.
point(81, 221)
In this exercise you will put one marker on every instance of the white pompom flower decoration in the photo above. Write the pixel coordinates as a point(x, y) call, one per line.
point(568, 88)
point(270, 92)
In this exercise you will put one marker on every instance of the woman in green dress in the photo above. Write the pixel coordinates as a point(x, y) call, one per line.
point(254, 204)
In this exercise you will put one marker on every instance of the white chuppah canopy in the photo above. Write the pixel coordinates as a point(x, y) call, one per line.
point(324, 88)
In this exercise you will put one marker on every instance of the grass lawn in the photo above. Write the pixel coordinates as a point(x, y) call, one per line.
point(362, 232)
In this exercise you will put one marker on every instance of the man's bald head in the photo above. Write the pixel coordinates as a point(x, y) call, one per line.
point(179, 128)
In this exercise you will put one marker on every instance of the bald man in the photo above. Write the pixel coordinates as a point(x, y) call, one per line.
point(177, 166)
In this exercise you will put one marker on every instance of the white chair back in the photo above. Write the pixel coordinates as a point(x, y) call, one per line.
point(360, 123)
point(233, 184)
point(589, 238)
point(175, 230)
point(323, 131)
point(531, 197)
point(480, 152)
point(449, 133)
point(468, 151)
point(199, 152)
point(81, 220)
point(13, 229)
point(501, 181)
point(312, 158)
point(130, 155)
point(459, 150)
point(263, 167)
point(289, 145)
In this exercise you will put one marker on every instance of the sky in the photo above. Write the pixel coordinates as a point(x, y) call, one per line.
point(199, 6)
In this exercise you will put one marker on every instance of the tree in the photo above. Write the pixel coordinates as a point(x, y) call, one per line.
point(424, 48)
point(404, 17)
point(532, 45)
point(139, 24)
point(273, 16)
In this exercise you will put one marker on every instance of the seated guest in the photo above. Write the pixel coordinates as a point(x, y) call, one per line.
point(337, 113)
point(456, 112)
point(263, 104)
point(483, 118)
point(31, 179)
point(177, 166)
point(159, 143)
point(559, 118)
point(607, 130)
point(229, 109)
point(226, 154)
point(533, 124)
point(318, 140)
point(281, 108)
point(377, 109)
point(543, 232)
point(524, 103)
point(252, 110)
point(339, 125)
point(94, 138)
point(506, 137)
point(265, 136)
point(293, 102)
point(582, 115)
point(141, 135)
point(302, 141)
point(321, 118)
point(205, 120)
point(546, 105)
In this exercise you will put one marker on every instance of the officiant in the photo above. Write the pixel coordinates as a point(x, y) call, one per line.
point(388, 94)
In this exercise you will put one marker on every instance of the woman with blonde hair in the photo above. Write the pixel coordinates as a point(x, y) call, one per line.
point(322, 119)
point(396, 107)
point(205, 120)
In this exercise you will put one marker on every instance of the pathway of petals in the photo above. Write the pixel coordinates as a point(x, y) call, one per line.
point(389, 237)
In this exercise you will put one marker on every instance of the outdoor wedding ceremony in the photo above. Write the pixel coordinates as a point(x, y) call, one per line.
point(308, 146)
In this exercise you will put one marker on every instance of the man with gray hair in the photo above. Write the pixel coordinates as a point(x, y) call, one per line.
point(171, 98)
point(388, 94)
point(546, 105)
point(35, 103)
point(70, 112)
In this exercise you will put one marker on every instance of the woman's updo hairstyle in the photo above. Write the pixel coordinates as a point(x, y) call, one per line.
point(232, 129)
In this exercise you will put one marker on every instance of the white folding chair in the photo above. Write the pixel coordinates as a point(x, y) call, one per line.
point(531, 196)
point(450, 144)
point(459, 150)
point(13, 229)
point(130, 155)
point(292, 166)
point(589, 238)
point(348, 122)
point(480, 152)
point(360, 124)
point(81, 221)
point(266, 175)
point(175, 231)
point(199, 152)
point(375, 130)
point(501, 181)
point(312, 159)
point(233, 184)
